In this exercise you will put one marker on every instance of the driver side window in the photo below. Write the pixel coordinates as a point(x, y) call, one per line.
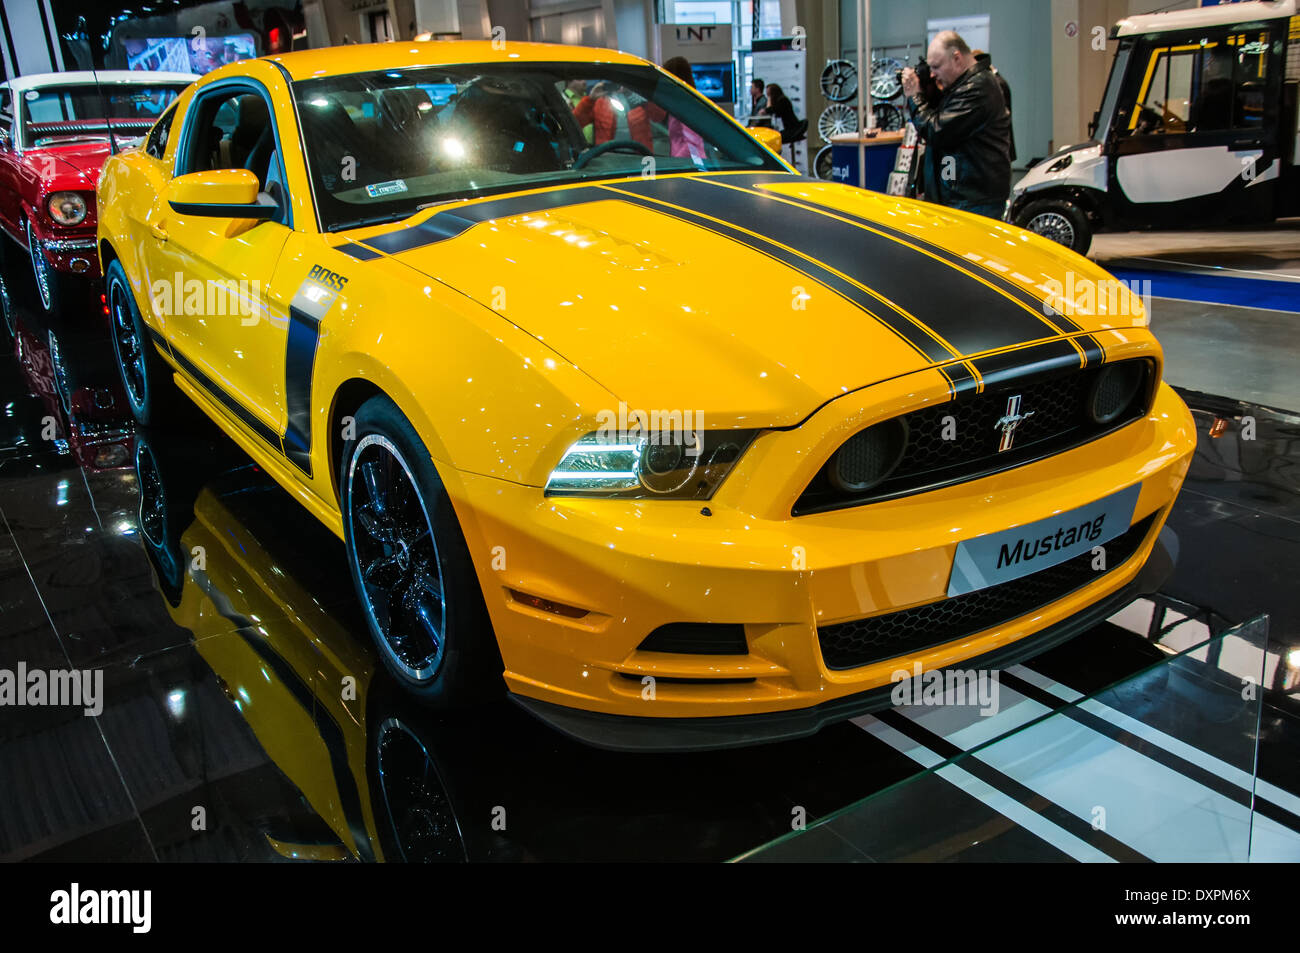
point(234, 129)
point(1210, 85)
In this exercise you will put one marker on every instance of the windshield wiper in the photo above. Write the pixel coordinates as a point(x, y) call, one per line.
point(372, 220)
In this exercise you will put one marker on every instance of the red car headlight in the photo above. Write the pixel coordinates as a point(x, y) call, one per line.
point(67, 208)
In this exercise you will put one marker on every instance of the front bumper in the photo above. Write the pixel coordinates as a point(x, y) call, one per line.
point(649, 735)
point(634, 566)
point(70, 252)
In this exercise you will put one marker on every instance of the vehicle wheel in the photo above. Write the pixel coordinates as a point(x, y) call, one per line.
point(1060, 220)
point(823, 164)
point(47, 279)
point(410, 564)
point(145, 376)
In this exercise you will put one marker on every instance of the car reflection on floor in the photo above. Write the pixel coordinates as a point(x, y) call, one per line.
point(247, 719)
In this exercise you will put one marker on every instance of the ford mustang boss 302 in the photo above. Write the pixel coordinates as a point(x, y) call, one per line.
point(605, 400)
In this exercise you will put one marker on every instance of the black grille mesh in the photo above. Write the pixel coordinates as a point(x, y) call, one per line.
point(1058, 420)
point(862, 641)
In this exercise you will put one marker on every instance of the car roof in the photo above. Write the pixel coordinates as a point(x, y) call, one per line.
point(367, 57)
point(104, 77)
point(1215, 15)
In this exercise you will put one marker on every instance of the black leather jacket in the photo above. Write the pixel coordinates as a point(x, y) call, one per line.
point(972, 126)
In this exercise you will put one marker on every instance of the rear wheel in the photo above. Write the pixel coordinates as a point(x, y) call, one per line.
point(145, 376)
point(410, 564)
point(1060, 220)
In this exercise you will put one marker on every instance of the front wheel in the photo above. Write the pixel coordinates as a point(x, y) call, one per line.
point(145, 376)
point(48, 283)
point(1060, 220)
point(410, 564)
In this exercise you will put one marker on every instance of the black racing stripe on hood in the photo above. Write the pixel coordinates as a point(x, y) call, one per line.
point(1007, 366)
point(359, 252)
point(454, 221)
point(959, 375)
point(1094, 353)
point(971, 316)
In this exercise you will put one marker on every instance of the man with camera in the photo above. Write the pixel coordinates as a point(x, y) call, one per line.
point(966, 126)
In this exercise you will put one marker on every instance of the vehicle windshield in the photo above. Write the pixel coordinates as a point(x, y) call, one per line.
point(55, 113)
point(382, 145)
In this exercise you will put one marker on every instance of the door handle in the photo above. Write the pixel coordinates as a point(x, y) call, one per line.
point(1247, 144)
point(158, 232)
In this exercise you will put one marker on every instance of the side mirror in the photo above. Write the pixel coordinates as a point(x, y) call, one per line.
point(219, 193)
point(767, 136)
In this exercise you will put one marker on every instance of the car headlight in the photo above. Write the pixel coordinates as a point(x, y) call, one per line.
point(636, 466)
point(1061, 164)
point(67, 208)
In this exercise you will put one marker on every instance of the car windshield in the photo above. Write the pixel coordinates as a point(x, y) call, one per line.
point(53, 113)
point(382, 145)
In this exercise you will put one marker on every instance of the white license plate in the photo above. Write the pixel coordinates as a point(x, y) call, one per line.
point(1012, 553)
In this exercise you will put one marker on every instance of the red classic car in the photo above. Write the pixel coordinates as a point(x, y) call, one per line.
point(53, 139)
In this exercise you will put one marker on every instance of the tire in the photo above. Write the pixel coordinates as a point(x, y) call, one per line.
point(403, 538)
point(49, 286)
point(146, 378)
point(823, 163)
point(1060, 220)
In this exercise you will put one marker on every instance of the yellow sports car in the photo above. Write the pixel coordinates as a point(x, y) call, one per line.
point(608, 401)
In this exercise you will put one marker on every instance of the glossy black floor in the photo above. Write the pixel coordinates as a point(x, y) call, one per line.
point(231, 732)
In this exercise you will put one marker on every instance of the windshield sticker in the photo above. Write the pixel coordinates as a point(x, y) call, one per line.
point(386, 188)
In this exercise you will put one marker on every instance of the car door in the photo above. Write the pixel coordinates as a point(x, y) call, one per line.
point(212, 278)
point(1195, 135)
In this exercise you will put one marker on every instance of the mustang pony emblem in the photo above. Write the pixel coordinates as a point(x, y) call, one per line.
point(1009, 421)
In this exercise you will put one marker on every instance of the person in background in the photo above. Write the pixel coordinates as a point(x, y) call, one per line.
point(616, 113)
point(987, 60)
point(757, 101)
point(967, 133)
point(683, 141)
point(780, 107)
point(574, 91)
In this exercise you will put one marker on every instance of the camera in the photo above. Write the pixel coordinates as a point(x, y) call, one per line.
point(929, 88)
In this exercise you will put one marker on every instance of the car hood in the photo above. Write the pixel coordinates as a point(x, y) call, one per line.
point(755, 298)
point(84, 162)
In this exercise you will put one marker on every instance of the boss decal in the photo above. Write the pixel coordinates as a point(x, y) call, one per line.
point(315, 296)
point(331, 279)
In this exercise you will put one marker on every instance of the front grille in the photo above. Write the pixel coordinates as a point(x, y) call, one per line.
point(862, 641)
point(958, 440)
